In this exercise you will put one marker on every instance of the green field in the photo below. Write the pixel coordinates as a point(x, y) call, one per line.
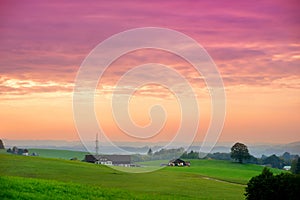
point(63, 154)
point(28, 188)
point(75, 179)
point(224, 170)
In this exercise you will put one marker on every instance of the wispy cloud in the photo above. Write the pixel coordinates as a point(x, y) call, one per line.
point(11, 87)
point(256, 46)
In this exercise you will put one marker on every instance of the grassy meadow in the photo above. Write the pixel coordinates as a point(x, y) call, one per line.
point(29, 188)
point(62, 154)
point(35, 177)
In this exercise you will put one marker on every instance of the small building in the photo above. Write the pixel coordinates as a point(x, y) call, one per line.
point(24, 152)
point(179, 162)
point(116, 160)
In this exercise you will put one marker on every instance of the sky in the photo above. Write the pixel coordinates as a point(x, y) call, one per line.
point(255, 45)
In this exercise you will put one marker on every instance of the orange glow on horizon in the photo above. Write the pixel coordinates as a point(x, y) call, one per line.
point(256, 50)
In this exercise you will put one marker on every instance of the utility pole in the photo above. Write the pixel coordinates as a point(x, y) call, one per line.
point(97, 145)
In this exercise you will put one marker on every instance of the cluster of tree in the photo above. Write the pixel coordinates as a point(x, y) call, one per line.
point(219, 156)
point(278, 161)
point(19, 151)
point(168, 153)
point(227, 156)
point(239, 152)
point(268, 186)
point(162, 154)
point(273, 161)
point(289, 158)
point(191, 155)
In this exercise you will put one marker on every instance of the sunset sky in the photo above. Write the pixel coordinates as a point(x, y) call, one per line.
point(256, 47)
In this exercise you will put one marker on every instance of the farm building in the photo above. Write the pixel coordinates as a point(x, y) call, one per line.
point(287, 168)
point(117, 160)
point(178, 162)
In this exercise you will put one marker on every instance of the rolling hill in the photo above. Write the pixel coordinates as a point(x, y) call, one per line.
point(33, 177)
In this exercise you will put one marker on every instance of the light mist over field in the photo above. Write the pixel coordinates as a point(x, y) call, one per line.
point(142, 148)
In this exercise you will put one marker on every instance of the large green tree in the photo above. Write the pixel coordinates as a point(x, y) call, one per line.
point(267, 186)
point(239, 152)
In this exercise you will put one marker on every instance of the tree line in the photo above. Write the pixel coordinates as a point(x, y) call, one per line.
point(239, 152)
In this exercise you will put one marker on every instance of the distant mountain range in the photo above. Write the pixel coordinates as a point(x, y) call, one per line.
point(293, 148)
point(255, 149)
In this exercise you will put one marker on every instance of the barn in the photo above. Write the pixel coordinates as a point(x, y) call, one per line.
point(116, 160)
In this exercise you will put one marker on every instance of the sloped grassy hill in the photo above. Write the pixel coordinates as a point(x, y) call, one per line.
point(42, 178)
point(62, 154)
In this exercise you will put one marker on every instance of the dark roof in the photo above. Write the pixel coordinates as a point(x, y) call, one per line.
point(116, 159)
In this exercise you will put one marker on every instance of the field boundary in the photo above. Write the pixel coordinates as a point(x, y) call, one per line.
point(220, 180)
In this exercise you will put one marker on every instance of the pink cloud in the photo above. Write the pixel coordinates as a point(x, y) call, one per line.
point(48, 41)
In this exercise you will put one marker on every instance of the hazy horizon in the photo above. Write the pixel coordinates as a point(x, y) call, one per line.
point(159, 142)
point(255, 149)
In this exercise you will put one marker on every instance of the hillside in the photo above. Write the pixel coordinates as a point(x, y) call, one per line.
point(162, 184)
point(204, 179)
point(29, 188)
point(63, 154)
